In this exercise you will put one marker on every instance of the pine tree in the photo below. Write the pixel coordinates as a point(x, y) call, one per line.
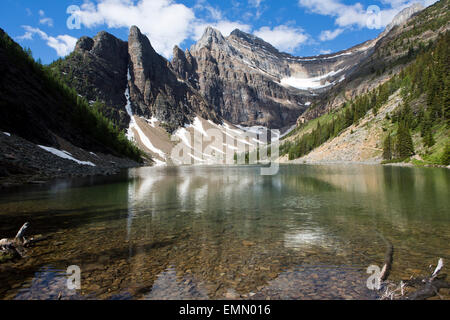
point(404, 144)
point(428, 139)
point(445, 160)
point(387, 148)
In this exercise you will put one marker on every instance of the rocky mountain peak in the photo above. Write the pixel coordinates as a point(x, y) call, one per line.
point(139, 42)
point(178, 53)
point(252, 40)
point(212, 39)
point(84, 44)
point(109, 47)
point(158, 88)
point(183, 64)
point(403, 16)
point(140, 52)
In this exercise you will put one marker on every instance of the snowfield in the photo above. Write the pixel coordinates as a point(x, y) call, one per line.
point(66, 155)
point(309, 83)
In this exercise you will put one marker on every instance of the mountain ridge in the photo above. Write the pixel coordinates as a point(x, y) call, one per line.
point(240, 78)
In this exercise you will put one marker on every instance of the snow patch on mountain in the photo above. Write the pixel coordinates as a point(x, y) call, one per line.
point(65, 155)
point(310, 83)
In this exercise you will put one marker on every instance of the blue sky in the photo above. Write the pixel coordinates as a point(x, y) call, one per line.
point(300, 27)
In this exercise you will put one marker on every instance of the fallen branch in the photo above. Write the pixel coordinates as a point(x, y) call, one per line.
point(17, 245)
point(425, 287)
point(388, 259)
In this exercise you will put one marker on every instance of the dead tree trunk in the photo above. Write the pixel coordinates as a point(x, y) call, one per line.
point(419, 288)
point(17, 245)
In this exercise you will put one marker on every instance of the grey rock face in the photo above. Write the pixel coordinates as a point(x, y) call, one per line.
point(184, 65)
point(240, 78)
point(156, 90)
point(84, 44)
point(97, 69)
point(403, 16)
point(243, 77)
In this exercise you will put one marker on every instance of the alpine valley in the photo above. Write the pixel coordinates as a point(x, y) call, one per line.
point(241, 82)
point(351, 202)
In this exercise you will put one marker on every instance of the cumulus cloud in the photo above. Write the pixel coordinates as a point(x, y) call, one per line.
point(45, 20)
point(165, 22)
point(215, 19)
point(330, 34)
point(63, 44)
point(356, 14)
point(283, 37)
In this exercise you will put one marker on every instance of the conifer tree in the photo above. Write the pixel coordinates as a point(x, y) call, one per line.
point(404, 144)
point(428, 139)
point(445, 160)
point(387, 147)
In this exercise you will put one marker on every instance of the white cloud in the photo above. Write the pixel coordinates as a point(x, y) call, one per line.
point(165, 22)
point(255, 3)
point(329, 34)
point(214, 19)
point(214, 13)
point(63, 44)
point(323, 51)
point(27, 36)
point(45, 20)
point(356, 14)
point(283, 37)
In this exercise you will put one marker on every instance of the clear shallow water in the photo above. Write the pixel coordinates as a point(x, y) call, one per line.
point(213, 232)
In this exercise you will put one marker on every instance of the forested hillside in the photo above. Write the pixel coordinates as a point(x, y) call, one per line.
point(418, 127)
point(37, 106)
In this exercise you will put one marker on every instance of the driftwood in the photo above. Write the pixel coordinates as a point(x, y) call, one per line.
point(388, 259)
point(415, 288)
point(17, 245)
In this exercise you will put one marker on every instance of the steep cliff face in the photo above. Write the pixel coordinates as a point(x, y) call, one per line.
point(45, 130)
point(249, 82)
point(97, 70)
point(157, 91)
point(184, 64)
point(103, 68)
point(402, 17)
point(239, 78)
point(239, 90)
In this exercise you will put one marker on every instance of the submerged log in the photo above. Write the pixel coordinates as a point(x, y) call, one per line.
point(425, 287)
point(388, 259)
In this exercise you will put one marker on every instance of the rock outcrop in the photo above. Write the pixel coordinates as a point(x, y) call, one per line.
point(239, 78)
point(103, 68)
point(249, 82)
point(403, 16)
point(157, 91)
point(97, 70)
point(44, 132)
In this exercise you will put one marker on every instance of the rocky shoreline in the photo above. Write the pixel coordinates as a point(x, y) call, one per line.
point(369, 163)
point(23, 162)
